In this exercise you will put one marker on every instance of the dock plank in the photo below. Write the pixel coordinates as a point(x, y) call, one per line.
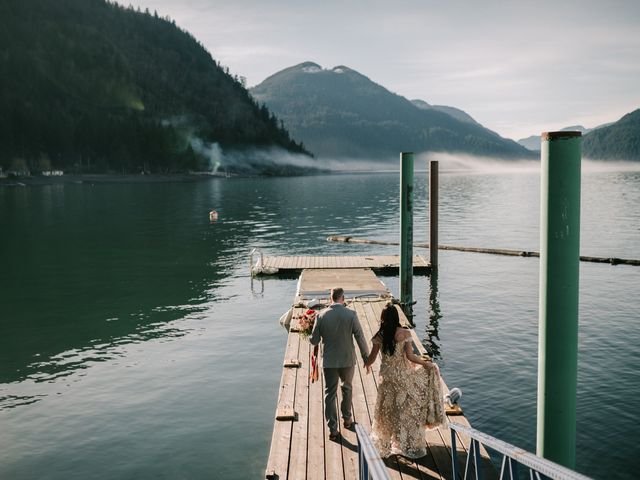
point(298, 263)
point(316, 445)
point(298, 455)
point(427, 466)
point(332, 452)
point(349, 443)
point(278, 463)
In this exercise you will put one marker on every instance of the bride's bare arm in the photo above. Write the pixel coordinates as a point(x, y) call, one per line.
point(412, 357)
point(372, 356)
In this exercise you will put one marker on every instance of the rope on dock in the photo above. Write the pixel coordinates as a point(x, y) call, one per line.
point(493, 251)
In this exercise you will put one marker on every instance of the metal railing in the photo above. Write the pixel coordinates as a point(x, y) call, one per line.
point(255, 268)
point(371, 466)
point(511, 456)
point(259, 267)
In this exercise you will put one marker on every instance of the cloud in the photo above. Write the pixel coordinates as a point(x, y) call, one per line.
point(244, 51)
point(511, 65)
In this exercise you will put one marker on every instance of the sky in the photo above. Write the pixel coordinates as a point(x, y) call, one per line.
point(517, 67)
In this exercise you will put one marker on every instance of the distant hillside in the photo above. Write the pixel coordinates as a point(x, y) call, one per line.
point(340, 113)
point(533, 142)
point(89, 86)
point(618, 141)
point(453, 111)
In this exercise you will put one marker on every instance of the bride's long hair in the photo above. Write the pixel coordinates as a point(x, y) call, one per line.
point(389, 323)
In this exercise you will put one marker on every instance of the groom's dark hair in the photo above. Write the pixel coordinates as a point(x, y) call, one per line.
point(336, 293)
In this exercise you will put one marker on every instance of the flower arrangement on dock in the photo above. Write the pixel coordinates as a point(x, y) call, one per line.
point(306, 322)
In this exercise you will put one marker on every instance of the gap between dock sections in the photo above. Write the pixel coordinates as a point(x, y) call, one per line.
point(493, 251)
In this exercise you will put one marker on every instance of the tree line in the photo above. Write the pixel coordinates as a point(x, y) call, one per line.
point(91, 86)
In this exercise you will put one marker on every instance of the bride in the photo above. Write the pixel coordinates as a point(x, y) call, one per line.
point(409, 397)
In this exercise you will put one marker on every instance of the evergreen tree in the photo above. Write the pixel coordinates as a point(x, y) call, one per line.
point(94, 86)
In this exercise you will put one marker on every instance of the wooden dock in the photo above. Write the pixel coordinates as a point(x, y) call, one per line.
point(300, 445)
point(391, 263)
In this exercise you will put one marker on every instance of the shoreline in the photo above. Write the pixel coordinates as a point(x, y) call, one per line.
point(93, 179)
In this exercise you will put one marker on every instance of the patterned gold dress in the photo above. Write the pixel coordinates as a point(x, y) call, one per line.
point(409, 399)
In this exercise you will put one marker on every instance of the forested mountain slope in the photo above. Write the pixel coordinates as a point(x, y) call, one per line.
point(90, 86)
point(618, 141)
point(340, 113)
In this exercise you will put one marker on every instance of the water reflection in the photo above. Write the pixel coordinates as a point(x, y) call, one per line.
point(93, 269)
point(70, 363)
point(431, 339)
point(257, 286)
point(13, 401)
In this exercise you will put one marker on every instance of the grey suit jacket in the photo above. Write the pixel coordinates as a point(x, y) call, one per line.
point(335, 326)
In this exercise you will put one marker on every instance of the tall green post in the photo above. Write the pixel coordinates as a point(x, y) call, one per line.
point(433, 214)
point(406, 233)
point(558, 316)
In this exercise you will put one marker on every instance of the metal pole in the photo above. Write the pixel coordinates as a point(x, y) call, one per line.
point(454, 455)
point(558, 316)
point(433, 213)
point(406, 233)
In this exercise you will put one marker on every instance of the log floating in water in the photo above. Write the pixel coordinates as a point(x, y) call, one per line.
point(493, 251)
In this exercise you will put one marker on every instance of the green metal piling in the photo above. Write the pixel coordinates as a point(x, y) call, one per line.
point(433, 213)
point(558, 315)
point(406, 233)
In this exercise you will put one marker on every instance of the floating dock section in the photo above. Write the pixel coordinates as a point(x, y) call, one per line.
point(300, 445)
point(385, 263)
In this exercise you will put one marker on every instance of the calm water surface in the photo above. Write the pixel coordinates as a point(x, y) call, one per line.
point(133, 344)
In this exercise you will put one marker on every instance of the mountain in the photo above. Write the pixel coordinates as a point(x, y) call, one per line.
point(340, 113)
point(90, 86)
point(452, 111)
point(617, 141)
point(533, 142)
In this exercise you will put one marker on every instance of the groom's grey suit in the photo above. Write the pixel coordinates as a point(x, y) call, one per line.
point(336, 325)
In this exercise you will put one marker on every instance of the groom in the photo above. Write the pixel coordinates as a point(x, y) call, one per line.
point(335, 326)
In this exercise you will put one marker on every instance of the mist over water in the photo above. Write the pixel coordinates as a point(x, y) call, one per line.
point(471, 163)
point(250, 160)
point(448, 162)
point(589, 165)
point(468, 164)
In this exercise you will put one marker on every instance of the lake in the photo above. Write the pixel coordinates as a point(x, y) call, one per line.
point(134, 345)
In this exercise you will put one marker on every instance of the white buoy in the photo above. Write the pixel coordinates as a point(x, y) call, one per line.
point(453, 397)
point(213, 216)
